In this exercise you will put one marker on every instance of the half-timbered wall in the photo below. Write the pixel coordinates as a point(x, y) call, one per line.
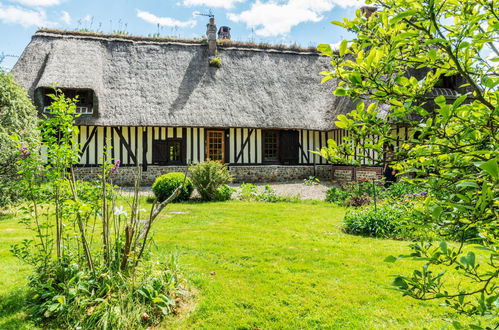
point(243, 146)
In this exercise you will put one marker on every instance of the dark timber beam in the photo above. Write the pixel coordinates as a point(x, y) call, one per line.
point(144, 149)
point(89, 139)
point(303, 153)
point(126, 145)
point(244, 145)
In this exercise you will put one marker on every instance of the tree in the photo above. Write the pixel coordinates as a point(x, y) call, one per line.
point(17, 117)
point(399, 55)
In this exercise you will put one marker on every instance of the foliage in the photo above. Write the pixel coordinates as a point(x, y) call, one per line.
point(64, 296)
point(355, 193)
point(87, 252)
point(17, 117)
point(249, 192)
point(166, 184)
point(208, 177)
point(224, 193)
point(311, 180)
point(337, 195)
point(401, 189)
point(397, 58)
point(215, 62)
point(389, 220)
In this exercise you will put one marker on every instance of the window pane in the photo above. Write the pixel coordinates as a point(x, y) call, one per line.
point(271, 146)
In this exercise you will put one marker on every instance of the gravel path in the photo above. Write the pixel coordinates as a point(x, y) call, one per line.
point(306, 191)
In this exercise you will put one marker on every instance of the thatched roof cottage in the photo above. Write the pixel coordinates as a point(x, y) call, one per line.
point(159, 103)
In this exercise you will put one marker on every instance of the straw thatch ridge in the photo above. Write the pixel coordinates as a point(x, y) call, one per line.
point(146, 81)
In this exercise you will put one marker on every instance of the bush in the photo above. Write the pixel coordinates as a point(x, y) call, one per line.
point(402, 188)
point(387, 221)
point(336, 195)
point(224, 193)
point(18, 117)
point(166, 184)
point(65, 295)
point(208, 177)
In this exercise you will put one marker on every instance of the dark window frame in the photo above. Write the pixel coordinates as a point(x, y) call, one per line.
point(167, 142)
point(85, 99)
point(277, 159)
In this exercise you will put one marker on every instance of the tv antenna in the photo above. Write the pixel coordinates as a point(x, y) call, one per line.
point(3, 56)
point(210, 14)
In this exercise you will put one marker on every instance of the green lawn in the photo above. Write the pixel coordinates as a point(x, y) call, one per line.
point(283, 265)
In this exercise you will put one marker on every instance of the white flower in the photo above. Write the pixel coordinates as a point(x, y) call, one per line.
point(119, 211)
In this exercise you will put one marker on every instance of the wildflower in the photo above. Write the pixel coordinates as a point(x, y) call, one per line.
point(116, 166)
point(23, 150)
point(119, 211)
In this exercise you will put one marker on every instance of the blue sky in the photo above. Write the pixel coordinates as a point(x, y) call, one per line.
point(305, 22)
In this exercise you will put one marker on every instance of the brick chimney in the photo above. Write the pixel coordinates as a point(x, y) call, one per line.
point(211, 34)
point(367, 11)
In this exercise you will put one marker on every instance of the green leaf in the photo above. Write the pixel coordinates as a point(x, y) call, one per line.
point(443, 246)
point(400, 283)
point(440, 100)
point(401, 16)
point(343, 47)
point(325, 49)
point(470, 184)
point(390, 259)
point(491, 168)
point(340, 92)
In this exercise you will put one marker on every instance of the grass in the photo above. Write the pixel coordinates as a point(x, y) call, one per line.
point(263, 265)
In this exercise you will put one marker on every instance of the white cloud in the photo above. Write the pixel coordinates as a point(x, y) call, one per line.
point(66, 18)
point(39, 3)
point(24, 17)
point(227, 4)
point(164, 21)
point(274, 18)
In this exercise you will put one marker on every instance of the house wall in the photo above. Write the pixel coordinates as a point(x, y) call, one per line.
point(243, 145)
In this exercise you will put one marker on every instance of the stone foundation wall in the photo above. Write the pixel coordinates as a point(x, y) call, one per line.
point(250, 174)
point(351, 173)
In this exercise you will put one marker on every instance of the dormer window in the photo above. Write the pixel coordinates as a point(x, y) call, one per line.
point(84, 104)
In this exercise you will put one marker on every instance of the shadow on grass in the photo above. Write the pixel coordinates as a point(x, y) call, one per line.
point(4, 215)
point(11, 310)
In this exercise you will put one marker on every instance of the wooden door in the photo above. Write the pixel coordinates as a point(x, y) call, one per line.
point(215, 145)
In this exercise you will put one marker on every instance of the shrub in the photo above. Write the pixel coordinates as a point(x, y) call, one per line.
point(336, 195)
point(402, 188)
point(65, 295)
point(18, 117)
point(166, 184)
point(208, 177)
point(224, 193)
point(385, 221)
point(249, 192)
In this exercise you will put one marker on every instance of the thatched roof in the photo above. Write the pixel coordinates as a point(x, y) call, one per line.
point(167, 82)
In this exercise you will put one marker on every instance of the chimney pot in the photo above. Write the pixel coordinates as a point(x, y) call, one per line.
point(367, 11)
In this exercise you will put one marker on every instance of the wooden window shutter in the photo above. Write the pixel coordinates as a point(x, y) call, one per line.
point(289, 147)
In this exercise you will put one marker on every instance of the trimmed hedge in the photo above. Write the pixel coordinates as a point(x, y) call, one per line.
point(166, 184)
